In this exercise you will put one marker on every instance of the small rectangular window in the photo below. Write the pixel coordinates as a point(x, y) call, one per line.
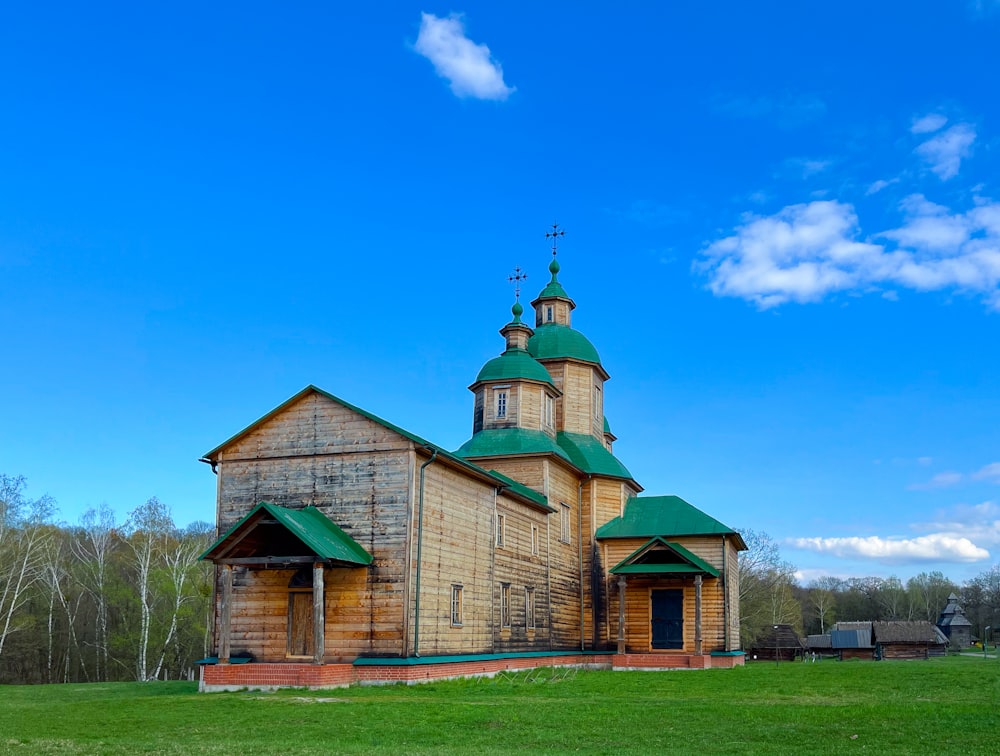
point(598, 414)
point(504, 604)
point(565, 531)
point(456, 605)
point(548, 314)
point(501, 529)
point(529, 608)
point(501, 404)
point(534, 539)
point(549, 421)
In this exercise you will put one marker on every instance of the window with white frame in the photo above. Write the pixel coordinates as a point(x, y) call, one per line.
point(529, 608)
point(548, 313)
point(456, 605)
point(565, 531)
point(598, 413)
point(501, 529)
point(500, 403)
point(549, 411)
point(534, 539)
point(504, 604)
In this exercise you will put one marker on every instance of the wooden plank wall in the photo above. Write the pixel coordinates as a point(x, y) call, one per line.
point(731, 578)
point(457, 549)
point(317, 452)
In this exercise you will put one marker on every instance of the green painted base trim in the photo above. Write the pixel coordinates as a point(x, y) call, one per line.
point(411, 661)
point(728, 653)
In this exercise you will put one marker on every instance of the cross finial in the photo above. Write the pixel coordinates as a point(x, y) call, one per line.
point(515, 278)
point(554, 235)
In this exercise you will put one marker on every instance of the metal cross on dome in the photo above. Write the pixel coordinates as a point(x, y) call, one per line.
point(554, 235)
point(515, 278)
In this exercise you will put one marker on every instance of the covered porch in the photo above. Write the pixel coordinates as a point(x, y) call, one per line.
point(663, 619)
point(283, 557)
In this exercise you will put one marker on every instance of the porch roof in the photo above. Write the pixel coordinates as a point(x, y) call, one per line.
point(273, 534)
point(681, 561)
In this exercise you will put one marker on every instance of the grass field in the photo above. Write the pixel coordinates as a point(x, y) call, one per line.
point(949, 705)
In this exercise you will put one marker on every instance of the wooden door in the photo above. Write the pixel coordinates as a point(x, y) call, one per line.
point(667, 618)
point(300, 623)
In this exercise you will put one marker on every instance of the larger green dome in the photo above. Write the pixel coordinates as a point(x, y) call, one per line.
point(554, 340)
point(514, 364)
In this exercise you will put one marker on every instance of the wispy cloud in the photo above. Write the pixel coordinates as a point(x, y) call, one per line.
point(877, 186)
point(944, 152)
point(990, 472)
point(469, 68)
point(928, 123)
point(941, 480)
point(935, 547)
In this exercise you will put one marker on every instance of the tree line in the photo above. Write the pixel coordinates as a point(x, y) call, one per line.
point(105, 600)
point(101, 600)
point(770, 595)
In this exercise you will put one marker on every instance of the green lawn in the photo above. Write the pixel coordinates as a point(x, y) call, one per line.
point(941, 706)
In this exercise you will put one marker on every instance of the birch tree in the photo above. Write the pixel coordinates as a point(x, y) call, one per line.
point(22, 537)
point(93, 547)
point(147, 529)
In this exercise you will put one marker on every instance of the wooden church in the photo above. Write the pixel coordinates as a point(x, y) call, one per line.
point(352, 550)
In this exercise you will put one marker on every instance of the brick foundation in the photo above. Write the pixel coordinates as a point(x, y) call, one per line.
point(228, 677)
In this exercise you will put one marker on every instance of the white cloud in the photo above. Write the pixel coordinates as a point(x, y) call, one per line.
point(924, 461)
point(805, 252)
point(878, 186)
point(941, 480)
point(935, 547)
point(799, 254)
point(928, 123)
point(469, 68)
point(979, 523)
point(990, 472)
point(945, 151)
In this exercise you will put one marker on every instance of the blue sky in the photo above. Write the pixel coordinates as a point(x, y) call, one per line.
point(783, 236)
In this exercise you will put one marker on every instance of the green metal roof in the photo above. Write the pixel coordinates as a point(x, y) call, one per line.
point(553, 289)
point(318, 533)
point(555, 340)
point(591, 456)
point(649, 516)
point(607, 426)
point(502, 442)
point(582, 451)
point(512, 365)
point(529, 493)
point(691, 564)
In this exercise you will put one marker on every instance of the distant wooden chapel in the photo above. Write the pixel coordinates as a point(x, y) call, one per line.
point(351, 549)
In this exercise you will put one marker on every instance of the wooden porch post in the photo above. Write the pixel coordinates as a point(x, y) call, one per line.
point(697, 615)
point(319, 615)
point(621, 614)
point(225, 613)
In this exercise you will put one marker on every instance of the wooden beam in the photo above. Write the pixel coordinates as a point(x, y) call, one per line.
point(621, 614)
point(319, 615)
point(697, 615)
point(269, 560)
point(225, 613)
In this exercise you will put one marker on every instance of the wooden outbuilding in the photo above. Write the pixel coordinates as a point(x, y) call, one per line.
point(778, 643)
point(907, 640)
point(347, 540)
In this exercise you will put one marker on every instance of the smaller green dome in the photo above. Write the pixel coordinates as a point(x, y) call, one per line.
point(554, 340)
point(514, 364)
point(517, 311)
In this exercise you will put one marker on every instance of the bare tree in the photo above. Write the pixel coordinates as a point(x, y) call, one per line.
point(92, 547)
point(148, 527)
point(22, 534)
point(765, 587)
